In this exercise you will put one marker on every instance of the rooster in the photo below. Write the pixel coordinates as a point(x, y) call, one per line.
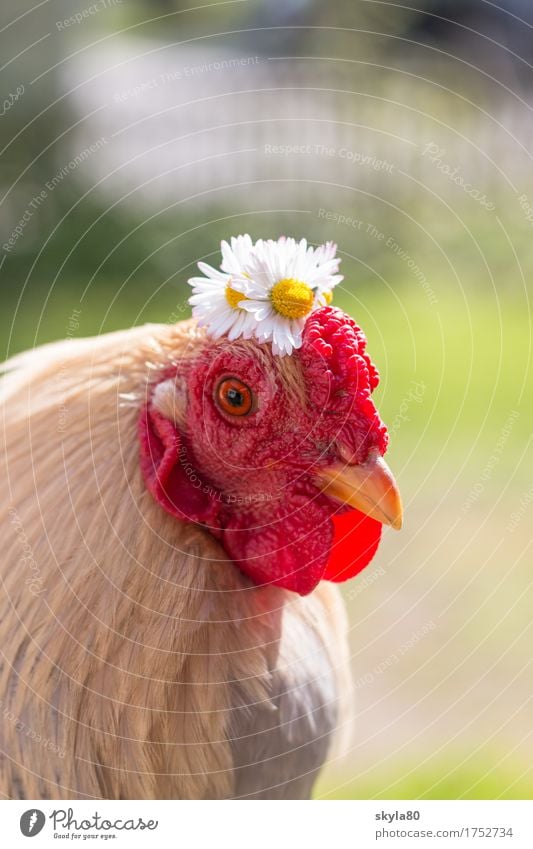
point(179, 502)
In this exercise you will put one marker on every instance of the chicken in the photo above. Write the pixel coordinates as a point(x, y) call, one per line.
point(177, 509)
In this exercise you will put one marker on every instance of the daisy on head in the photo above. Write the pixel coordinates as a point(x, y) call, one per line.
point(217, 297)
point(266, 290)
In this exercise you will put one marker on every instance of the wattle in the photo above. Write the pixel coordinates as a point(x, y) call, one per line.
point(287, 544)
point(355, 541)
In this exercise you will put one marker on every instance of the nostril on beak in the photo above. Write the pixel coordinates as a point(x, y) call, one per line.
point(345, 453)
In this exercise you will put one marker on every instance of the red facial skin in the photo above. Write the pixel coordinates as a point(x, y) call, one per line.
point(250, 479)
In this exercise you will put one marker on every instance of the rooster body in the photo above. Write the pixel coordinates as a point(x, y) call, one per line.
point(137, 660)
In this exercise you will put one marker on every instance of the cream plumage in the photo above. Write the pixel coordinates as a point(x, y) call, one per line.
point(138, 662)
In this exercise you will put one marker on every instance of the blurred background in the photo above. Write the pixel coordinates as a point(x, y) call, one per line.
point(135, 135)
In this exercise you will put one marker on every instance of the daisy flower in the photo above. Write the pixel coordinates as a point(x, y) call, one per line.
point(284, 282)
point(266, 290)
point(217, 297)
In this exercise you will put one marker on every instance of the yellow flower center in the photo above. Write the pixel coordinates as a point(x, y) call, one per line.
point(292, 298)
point(328, 296)
point(233, 297)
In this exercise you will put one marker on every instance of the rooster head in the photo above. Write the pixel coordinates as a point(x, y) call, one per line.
point(281, 458)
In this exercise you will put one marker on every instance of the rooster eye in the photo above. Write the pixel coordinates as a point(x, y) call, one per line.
point(234, 397)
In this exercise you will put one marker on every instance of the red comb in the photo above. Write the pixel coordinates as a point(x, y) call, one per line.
point(341, 377)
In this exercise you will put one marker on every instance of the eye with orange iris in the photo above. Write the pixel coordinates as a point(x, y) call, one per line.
point(234, 397)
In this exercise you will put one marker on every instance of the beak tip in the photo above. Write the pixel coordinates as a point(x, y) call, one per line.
point(397, 519)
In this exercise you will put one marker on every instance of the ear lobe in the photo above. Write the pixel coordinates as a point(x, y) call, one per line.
point(170, 399)
point(170, 475)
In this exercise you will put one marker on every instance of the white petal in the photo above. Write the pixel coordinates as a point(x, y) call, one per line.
point(263, 331)
point(228, 259)
point(207, 281)
point(209, 271)
point(210, 287)
point(235, 331)
point(223, 324)
point(239, 284)
point(260, 309)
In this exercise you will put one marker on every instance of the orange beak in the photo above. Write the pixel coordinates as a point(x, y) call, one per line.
point(369, 487)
